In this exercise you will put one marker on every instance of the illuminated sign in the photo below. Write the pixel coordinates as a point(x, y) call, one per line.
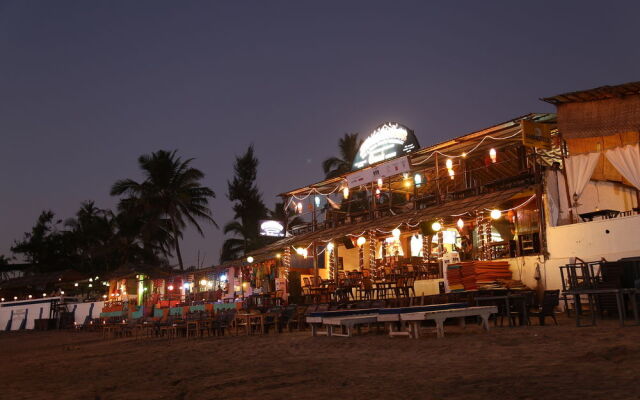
point(389, 140)
point(271, 228)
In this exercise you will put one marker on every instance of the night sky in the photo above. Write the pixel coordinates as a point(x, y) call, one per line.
point(88, 86)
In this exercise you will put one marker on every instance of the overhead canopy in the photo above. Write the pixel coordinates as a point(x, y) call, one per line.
point(411, 219)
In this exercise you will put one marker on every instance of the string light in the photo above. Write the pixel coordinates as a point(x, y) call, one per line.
point(299, 208)
point(449, 163)
point(396, 233)
point(493, 155)
point(249, 259)
point(460, 223)
point(496, 214)
point(361, 241)
point(436, 226)
point(203, 282)
point(451, 174)
point(380, 182)
point(345, 192)
point(278, 255)
point(317, 200)
point(170, 287)
point(330, 246)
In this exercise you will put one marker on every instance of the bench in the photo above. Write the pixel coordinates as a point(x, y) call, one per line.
point(440, 316)
point(391, 316)
point(333, 318)
point(347, 323)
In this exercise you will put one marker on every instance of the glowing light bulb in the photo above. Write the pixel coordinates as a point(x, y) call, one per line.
point(104, 296)
point(299, 208)
point(278, 255)
point(203, 282)
point(493, 155)
point(451, 174)
point(170, 287)
point(2, 299)
point(380, 182)
point(407, 183)
point(460, 223)
point(361, 241)
point(449, 163)
point(317, 201)
point(30, 296)
point(436, 226)
point(44, 295)
point(496, 214)
point(464, 155)
point(396, 233)
point(62, 292)
point(75, 284)
point(249, 259)
point(15, 297)
point(345, 192)
point(330, 246)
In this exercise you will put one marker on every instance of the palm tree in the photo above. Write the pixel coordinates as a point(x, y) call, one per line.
point(348, 146)
point(248, 209)
point(171, 191)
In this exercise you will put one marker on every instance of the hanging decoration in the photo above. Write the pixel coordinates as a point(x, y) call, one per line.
point(286, 261)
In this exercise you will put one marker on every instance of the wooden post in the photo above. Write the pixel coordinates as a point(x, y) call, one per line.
point(437, 178)
point(315, 262)
point(566, 178)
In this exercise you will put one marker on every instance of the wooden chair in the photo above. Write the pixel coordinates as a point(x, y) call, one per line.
point(550, 301)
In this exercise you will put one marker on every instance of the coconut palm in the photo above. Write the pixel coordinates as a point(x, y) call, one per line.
point(348, 146)
point(170, 192)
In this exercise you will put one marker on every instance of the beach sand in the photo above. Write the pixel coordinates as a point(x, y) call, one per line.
point(535, 362)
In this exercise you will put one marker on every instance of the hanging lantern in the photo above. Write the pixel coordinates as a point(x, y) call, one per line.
point(436, 226)
point(417, 179)
point(396, 233)
point(345, 192)
point(460, 224)
point(496, 214)
point(361, 241)
point(317, 200)
point(493, 155)
point(449, 163)
point(299, 207)
point(330, 246)
point(380, 183)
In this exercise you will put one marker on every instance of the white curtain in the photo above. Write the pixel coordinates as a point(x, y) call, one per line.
point(579, 171)
point(627, 161)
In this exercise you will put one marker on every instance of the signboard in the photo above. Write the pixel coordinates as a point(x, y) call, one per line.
point(536, 134)
point(389, 140)
point(384, 170)
point(271, 228)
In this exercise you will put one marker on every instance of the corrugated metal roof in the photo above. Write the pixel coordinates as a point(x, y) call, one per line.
point(599, 93)
point(455, 207)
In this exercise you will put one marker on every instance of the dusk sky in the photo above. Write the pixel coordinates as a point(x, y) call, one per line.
point(88, 86)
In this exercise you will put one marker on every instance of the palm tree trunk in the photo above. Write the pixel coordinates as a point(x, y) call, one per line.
point(177, 242)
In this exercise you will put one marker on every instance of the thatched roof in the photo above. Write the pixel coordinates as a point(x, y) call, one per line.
point(599, 93)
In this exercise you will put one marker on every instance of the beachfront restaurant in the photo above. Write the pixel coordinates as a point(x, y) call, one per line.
point(405, 219)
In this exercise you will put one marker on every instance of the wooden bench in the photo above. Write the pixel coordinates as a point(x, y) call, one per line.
point(440, 316)
point(347, 323)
